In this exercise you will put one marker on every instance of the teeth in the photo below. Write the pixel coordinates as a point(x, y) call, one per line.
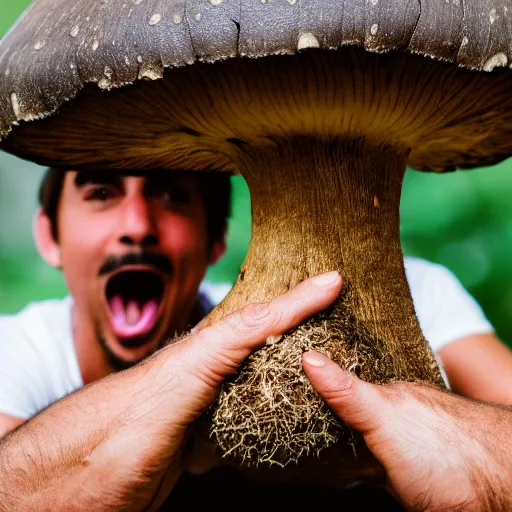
point(132, 312)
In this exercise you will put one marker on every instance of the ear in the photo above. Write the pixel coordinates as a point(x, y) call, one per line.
point(218, 248)
point(47, 246)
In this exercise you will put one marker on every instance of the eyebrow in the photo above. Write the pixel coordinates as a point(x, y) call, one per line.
point(115, 177)
point(83, 178)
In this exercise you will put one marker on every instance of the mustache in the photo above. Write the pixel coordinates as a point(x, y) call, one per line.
point(151, 259)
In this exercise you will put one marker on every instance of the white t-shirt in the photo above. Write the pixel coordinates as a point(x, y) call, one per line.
point(38, 362)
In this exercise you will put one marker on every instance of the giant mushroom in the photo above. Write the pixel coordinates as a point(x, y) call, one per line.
point(320, 105)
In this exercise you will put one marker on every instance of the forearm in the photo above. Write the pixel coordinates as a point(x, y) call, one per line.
point(116, 445)
point(480, 367)
point(440, 451)
point(468, 457)
point(493, 481)
point(68, 456)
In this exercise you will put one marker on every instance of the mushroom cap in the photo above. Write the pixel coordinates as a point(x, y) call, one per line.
point(60, 47)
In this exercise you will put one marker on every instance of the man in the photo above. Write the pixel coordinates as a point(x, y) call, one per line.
point(121, 443)
point(133, 250)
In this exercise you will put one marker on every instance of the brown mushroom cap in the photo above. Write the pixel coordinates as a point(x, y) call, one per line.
point(58, 47)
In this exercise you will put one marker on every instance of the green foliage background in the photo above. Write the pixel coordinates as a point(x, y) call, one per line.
point(462, 220)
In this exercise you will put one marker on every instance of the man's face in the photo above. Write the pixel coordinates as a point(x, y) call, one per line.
point(133, 251)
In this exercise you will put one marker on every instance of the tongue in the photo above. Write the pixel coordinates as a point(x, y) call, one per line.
point(132, 312)
point(130, 320)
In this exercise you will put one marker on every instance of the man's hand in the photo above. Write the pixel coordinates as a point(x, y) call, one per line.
point(440, 451)
point(118, 443)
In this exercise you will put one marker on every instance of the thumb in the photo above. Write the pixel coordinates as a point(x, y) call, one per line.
point(358, 403)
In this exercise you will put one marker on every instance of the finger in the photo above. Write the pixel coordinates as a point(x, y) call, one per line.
point(356, 402)
point(231, 340)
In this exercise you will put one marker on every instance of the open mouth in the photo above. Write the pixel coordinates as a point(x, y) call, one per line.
point(134, 298)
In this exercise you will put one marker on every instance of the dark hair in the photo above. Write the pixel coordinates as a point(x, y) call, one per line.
point(214, 188)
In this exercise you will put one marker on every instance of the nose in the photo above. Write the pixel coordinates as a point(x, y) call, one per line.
point(137, 225)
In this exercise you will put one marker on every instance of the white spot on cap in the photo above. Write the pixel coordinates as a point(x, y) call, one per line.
point(38, 45)
point(7, 72)
point(75, 31)
point(139, 59)
point(95, 45)
point(137, 2)
point(149, 73)
point(127, 61)
point(177, 19)
point(108, 72)
point(216, 2)
point(198, 16)
point(307, 40)
point(130, 12)
point(464, 41)
point(500, 59)
point(375, 2)
point(374, 29)
point(492, 16)
point(72, 66)
point(292, 2)
point(156, 18)
point(104, 83)
point(15, 105)
point(263, 1)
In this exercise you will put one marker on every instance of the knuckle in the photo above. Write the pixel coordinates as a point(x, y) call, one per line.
point(193, 373)
point(253, 317)
point(339, 392)
point(220, 365)
point(214, 361)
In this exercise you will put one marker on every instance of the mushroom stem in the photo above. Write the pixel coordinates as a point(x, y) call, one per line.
point(320, 205)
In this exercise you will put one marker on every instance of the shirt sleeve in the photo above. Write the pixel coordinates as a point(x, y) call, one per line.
point(445, 310)
point(18, 371)
point(214, 293)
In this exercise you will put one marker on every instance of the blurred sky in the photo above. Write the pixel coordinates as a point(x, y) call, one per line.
point(462, 220)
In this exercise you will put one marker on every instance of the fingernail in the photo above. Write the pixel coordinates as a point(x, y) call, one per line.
point(314, 358)
point(327, 278)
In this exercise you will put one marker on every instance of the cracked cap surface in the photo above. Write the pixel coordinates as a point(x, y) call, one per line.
point(60, 46)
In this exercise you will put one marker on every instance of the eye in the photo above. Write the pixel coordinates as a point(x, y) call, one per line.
point(172, 193)
point(176, 194)
point(100, 193)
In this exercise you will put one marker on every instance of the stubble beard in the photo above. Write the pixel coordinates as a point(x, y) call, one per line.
point(114, 361)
